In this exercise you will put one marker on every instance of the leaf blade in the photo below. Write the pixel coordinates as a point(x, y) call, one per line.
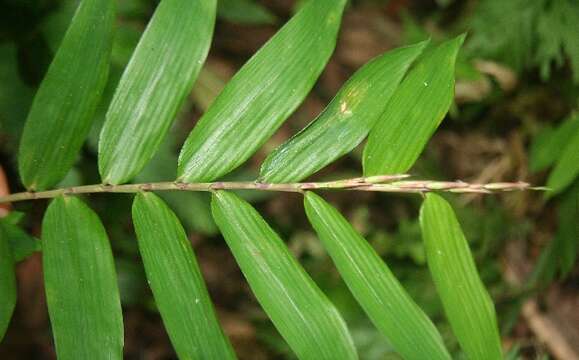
point(414, 112)
point(345, 122)
point(242, 118)
point(154, 85)
point(466, 302)
point(300, 311)
point(380, 294)
point(567, 167)
point(7, 283)
point(80, 283)
point(177, 282)
point(63, 108)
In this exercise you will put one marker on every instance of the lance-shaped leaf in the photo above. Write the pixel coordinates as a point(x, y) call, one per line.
point(307, 320)
point(380, 294)
point(154, 85)
point(467, 304)
point(64, 105)
point(245, 12)
point(345, 122)
point(548, 145)
point(567, 168)
point(7, 283)
point(413, 113)
point(263, 94)
point(80, 283)
point(177, 283)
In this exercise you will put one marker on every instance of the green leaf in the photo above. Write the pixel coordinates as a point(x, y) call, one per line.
point(64, 106)
point(81, 283)
point(304, 316)
point(245, 12)
point(549, 144)
point(154, 85)
point(22, 244)
point(567, 167)
point(177, 282)
point(263, 94)
point(414, 112)
point(388, 305)
point(466, 302)
point(7, 283)
point(345, 122)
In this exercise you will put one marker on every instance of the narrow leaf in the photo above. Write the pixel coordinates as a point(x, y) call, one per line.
point(177, 282)
point(154, 85)
point(345, 122)
point(7, 283)
point(81, 283)
point(387, 304)
point(467, 304)
point(64, 106)
point(414, 112)
point(263, 94)
point(307, 320)
point(245, 12)
point(567, 167)
point(548, 145)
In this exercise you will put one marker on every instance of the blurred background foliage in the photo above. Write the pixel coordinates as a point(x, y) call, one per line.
point(513, 118)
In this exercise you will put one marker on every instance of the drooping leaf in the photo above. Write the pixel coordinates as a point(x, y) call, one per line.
point(345, 122)
point(177, 282)
point(303, 315)
point(245, 12)
point(413, 113)
point(380, 294)
point(22, 244)
point(154, 85)
point(467, 304)
point(64, 106)
point(80, 283)
point(263, 94)
point(7, 283)
point(549, 144)
point(567, 167)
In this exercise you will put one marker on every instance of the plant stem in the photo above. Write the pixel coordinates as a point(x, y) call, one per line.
point(385, 183)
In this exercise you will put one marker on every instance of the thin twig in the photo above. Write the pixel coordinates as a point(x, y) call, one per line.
point(383, 183)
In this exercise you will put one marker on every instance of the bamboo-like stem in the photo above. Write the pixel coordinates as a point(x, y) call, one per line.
point(384, 183)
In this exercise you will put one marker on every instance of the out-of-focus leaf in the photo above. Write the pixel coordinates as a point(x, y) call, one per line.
point(177, 282)
point(64, 105)
point(466, 302)
point(158, 78)
point(388, 305)
point(22, 244)
point(548, 145)
point(7, 283)
point(345, 122)
point(304, 316)
point(244, 12)
point(263, 94)
point(80, 282)
point(414, 112)
point(567, 167)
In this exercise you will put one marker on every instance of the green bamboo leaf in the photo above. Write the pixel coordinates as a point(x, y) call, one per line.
point(245, 12)
point(154, 85)
point(567, 167)
point(414, 112)
point(307, 320)
point(263, 94)
point(388, 305)
point(345, 122)
point(81, 283)
point(7, 283)
point(467, 304)
point(63, 109)
point(177, 282)
point(549, 144)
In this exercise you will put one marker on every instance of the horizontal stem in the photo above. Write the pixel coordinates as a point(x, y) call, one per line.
point(385, 183)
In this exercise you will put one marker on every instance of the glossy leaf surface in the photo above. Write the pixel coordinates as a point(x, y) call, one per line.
point(80, 283)
point(345, 122)
point(466, 302)
point(64, 106)
point(413, 113)
point(303, 315)
point(154, 85)
point(263, 94)
point(177, 282)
